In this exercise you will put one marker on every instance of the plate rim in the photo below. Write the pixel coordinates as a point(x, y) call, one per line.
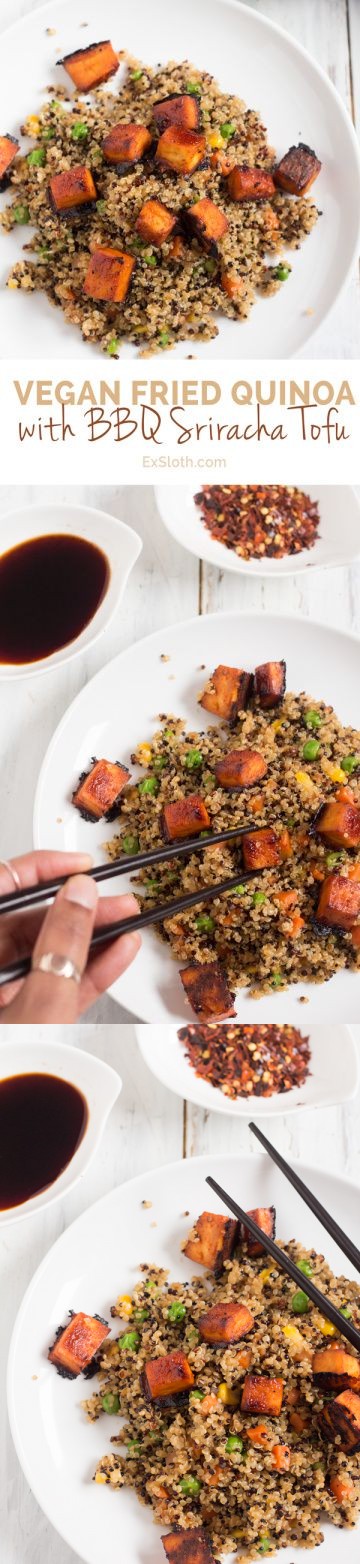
point(245, 567)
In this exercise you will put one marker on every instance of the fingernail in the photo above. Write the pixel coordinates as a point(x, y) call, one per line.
point(82, 889)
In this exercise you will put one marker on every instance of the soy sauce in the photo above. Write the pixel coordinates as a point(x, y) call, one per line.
point(50, 589)
point(42, 1121)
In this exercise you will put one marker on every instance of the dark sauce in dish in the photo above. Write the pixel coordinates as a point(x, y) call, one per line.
point(50, 589)
point(42, 1121)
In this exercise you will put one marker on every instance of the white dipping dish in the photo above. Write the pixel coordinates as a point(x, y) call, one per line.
point(119, 543)
point(96, 1259)
point(338, 542)
point(333, 1073)
point(99, 1084)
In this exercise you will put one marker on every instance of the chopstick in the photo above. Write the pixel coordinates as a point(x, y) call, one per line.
point(111, 931)
point(327, 1221)
point(284, 1263)
point(33, 895)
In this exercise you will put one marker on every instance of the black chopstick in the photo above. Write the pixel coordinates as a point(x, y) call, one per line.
point(284, 1263)
point(159, 914)
point(327, 1221)
point(33, 895)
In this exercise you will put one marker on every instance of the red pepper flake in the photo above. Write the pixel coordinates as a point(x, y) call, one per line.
point(257, 523)
point(247, 1061)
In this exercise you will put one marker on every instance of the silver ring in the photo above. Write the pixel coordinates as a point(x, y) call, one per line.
point(58, 966)
point(4, 864)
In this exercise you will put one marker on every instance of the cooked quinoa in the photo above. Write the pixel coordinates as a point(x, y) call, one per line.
point(247, 1061)
point(198, 1460)
point(177, 291)
point(264, 933)
point(259, 521)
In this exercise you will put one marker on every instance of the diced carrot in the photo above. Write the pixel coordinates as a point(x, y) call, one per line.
point(286, 899)
point(342, 1488)
point(285, 844)
point(244, 1358)
point(232, 285)
point(345, 795)
point(176, 248)
point(281, 1457)
point(208, 1404)
point(259, 1435)
point(297, 923)
point(299, 1422)
point(292, 1396)
point(215, 1478)
point(256, 804)
point(318, 873)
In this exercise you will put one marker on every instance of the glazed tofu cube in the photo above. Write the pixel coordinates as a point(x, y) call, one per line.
point(226, 1322)
point(178, 109)
point(265, 1216)
point(227, 692)
point(297, 170)
point(188, 1547)
point(9, 147)
point(270, 684)
point(240, 768)
point(250, 184)
point(76, 1345)
point(185, 817)
point(206, 222)
point(262, 1395)
point(340, 1419)
point(168, 1375)
point(207, 990)
point(126, 145)
point(181, 150)
point(99, 789)
point(109, 275)
point(339, 902)
point(155, 223)
point(334, 1369)
point(212, 1241)
point(261, 849)
point(338, 824)
point(72, 189)
point(89, 67)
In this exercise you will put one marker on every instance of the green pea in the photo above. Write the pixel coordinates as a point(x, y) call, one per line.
point(169, 733)
point(238, 890)
point(149, 785)
point(141, 1314)
point(130, 843)
point(312, 719)
point(349, 764)
point(134, 1447)
point(159, 762)
point(347, 1315)
point(276, 980)
point(38, 158)
point(151, 1286)
point(311, 749)
point(190, 1486)
point(210, 265)
point(197, 1395)
point(110, 1403)
point(21, 214)
point(164, 338)
point(151, 885)
point(193, 1335)
point(129, 1342)
point(227, 130)
point(282, 272)
point(305, 1267)
point(195, 88)
point(193, 759)
point(100, 206)
point(48, 133)
point(149, 258)
point(204, 923)
point(233, 1443)
point(331, 859)
point(43, 252)
point(300, 1303)
point(136, 75)
point(112, 347)
point(79, 131)
point(264, 1545)
point(258, 898)
point(176, 1311)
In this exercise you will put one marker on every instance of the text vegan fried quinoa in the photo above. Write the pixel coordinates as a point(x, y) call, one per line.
point(152, 255)
point(247, 1061)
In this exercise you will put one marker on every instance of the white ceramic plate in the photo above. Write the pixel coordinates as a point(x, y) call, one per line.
point(334, 1073)
point(249, 56)
point(96, 1259)
point(338, 542)
point(119, 708)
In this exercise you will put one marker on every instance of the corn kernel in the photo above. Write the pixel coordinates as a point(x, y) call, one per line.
point(237, 1532)
point(265, 1276)
point(143, 754)
point(99, 1477)
point(277, 725)
point(11, 283)
point(334, 773)
point(324, 1325)
point(215, 141)
point(302, 777)
point(32, 125)
point(230, 1397)
point(293, 1333)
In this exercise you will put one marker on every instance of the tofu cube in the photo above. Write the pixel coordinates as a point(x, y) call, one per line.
point(338, 824)
point(250, 184)
point(261, 849)
point(340, 1419)
point(72, 189)
point(109, 274)
point(89, 67)
point(126, 145)
point(99, 789)
point(155, 223)
point(207, 990)
point(188, 1547)
point(297, 170)
point(339, 902)
point(270, 684)
point(265, 1216)
point(9, 147)
point(181, 150)
point(167, 1376)
point(226, 1322)
point(178, 109)
point(185, 817)
point(262, 1395)
point(335, 1370)
point(77, 1343)
point(206, 222)
point(212, 1241)
point(227, 692)
point(240, 768)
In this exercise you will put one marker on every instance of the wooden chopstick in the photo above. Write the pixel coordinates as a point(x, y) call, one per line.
point(33, 895)
point(142, 920)
point(284, 1263)
point(327, 1221)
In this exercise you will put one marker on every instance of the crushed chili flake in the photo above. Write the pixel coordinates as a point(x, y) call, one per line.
point(255, 522)
point(247, 1061)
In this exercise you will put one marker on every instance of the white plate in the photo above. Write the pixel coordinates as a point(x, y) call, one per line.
point(90, 1264)
point(334, 1073)
point(250, 57)
point(120, 707)
point(338, 542)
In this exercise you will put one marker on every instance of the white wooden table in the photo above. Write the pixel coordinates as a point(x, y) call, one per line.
point(330, 30)
point(148, 1127)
